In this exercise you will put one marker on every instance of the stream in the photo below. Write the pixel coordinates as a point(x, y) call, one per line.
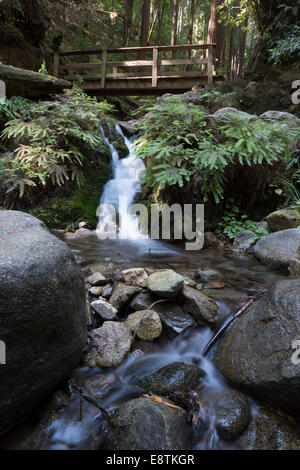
point(244, 277)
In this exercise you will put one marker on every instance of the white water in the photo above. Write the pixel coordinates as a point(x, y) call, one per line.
point(119, 192)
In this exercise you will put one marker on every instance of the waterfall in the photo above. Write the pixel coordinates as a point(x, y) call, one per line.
point(119, 192)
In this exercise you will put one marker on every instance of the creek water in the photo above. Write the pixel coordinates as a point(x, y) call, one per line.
point(244, 277)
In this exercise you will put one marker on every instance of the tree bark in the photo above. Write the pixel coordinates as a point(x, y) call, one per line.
point(128, 11)
point(175, 8)
point(145, 23)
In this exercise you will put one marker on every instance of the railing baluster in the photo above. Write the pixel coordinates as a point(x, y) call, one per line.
point(103, 69)
point(154, 67)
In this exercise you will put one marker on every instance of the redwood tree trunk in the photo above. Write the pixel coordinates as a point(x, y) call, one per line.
point(145, 23)
point(128, 11)
point(175, 7)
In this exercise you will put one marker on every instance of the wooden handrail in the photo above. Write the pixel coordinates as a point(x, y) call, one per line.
point(155, 64)
point(184, 47)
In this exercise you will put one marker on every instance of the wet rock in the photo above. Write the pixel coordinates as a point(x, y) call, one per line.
point(175, 377)
point(97, 291)
point(268, 431)
point(104, 309)
point(80, 233)
point(295, 265)
point(244, 241)
point(43, 314)
point(277, 249)
point(174, 319)
point(135, 276)
point(256, 352)
point(199, 306)
point(166, 284)
point(108, 345)
point(129, 127)
point(122, 294)
point(189, 282)
point(207, 275)
point(96, 279)
point(283, 219)
point(101, 385)
point(146, 324)
point(232, 415)
point(144, 424)
point(83, 225)
point(210, 239)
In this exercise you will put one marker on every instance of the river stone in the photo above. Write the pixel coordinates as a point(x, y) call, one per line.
point(97, 290)
point(108, 345)
point(295, 265)
point(207, 275)
point(244, 241)
point(146, 324)
point(255, 354)
point(175, 377)
point(43, 314)
point(166, 284)
point(283, 220)
point(122, 294)
point(96, 279)
point(268, 431)
point(174, 319)
point(210, 239)
point(135, 276)
point(277, 249)
point(144, 424)
point(199, 306)
point(104, 309)
point(232, 415)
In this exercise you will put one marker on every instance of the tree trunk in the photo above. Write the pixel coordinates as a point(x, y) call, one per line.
point(145, 22)
point(175, 7)
point(128, 11)
point(181, 25)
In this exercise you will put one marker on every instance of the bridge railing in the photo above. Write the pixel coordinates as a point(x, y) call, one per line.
point(143, 67)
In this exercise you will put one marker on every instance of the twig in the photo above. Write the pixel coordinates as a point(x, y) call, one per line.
point(90, 400)
point(229, 321)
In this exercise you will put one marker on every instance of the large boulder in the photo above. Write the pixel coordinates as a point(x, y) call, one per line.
point(256, 352)
point(268, 431)
point(295, 265)
point(277, 249)
point(283, 220)
point(166, 283)
point(43, 314)
point(145, 424)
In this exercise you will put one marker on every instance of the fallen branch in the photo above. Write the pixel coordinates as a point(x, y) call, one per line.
point(228, 322)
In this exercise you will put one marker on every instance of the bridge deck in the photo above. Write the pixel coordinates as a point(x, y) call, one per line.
point(147, 75)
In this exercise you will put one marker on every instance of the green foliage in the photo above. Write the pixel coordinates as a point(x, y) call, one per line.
point(179, 143)
point(287, 46)
point(47, 139)
point(232, 223)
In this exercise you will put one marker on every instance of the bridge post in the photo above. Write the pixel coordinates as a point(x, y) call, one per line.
point(210, 64)
point(103, 69)
point(55, 64)
point(154, 67)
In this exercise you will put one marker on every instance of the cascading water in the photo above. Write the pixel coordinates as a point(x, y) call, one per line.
point(119, 192)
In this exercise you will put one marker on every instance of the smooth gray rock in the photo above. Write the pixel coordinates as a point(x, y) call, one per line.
point(283, 219)
point(295, 265)
point(122, 294)
point(104, 309)
point(207, 275)
point(277, 249)
point(256, 352)
point(144, 424)
point(203, 309)
point(43, 314)
point(280, 116)
point(166, 284)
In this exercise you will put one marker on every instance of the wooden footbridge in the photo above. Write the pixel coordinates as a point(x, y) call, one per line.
point(153, 69)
